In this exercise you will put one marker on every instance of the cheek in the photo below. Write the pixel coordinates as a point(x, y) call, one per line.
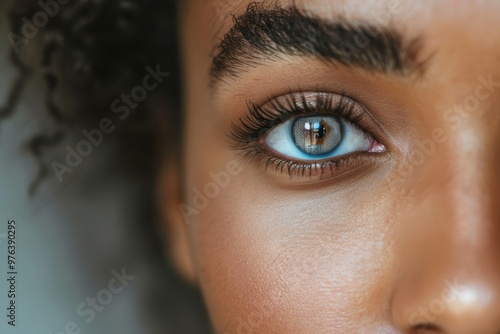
point(279, 261)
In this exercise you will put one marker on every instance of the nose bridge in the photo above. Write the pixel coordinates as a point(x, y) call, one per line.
point(449, 241)
point(474, 190)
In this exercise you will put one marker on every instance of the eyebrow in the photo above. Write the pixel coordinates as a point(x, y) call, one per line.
point(271, 32)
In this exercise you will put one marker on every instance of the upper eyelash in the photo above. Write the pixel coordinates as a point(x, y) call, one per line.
point(261, 119)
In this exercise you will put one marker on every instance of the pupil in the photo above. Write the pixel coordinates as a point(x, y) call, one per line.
point(321, 131)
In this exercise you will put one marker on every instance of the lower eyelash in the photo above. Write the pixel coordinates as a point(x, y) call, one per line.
point(319, 170)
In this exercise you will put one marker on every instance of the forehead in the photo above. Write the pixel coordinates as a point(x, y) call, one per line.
point(374, 11)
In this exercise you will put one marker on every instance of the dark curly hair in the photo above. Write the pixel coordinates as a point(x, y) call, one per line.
point(102, 48)
point(91, 51)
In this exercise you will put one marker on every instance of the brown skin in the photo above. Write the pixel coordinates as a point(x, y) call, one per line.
point(369, 251)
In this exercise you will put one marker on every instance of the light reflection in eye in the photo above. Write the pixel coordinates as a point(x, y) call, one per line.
point(317, 138)
point(317, 135)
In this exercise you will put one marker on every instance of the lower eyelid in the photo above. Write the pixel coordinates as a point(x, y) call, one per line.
point(314, 173)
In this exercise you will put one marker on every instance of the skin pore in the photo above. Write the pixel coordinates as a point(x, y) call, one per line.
point(404, 239)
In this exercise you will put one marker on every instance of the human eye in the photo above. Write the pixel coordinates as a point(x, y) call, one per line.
point(321, 137)
point(313, 134)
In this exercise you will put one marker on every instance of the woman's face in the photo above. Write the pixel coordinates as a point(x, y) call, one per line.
point(341, 164)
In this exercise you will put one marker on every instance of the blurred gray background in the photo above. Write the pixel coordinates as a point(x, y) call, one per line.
point(55, 275)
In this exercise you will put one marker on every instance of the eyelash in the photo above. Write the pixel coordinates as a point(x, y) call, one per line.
point(247, 135)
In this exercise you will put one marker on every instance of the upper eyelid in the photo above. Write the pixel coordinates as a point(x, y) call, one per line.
point(264, 117)
point(299, 103)
point(303, 105)
point(284, 117)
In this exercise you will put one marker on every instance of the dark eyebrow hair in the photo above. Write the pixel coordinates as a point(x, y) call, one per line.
point(268, 32)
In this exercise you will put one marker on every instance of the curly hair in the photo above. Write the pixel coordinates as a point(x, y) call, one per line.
point(102, 48)
point(90, 52)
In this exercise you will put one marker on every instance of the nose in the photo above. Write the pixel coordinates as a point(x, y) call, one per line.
point(448, 245)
